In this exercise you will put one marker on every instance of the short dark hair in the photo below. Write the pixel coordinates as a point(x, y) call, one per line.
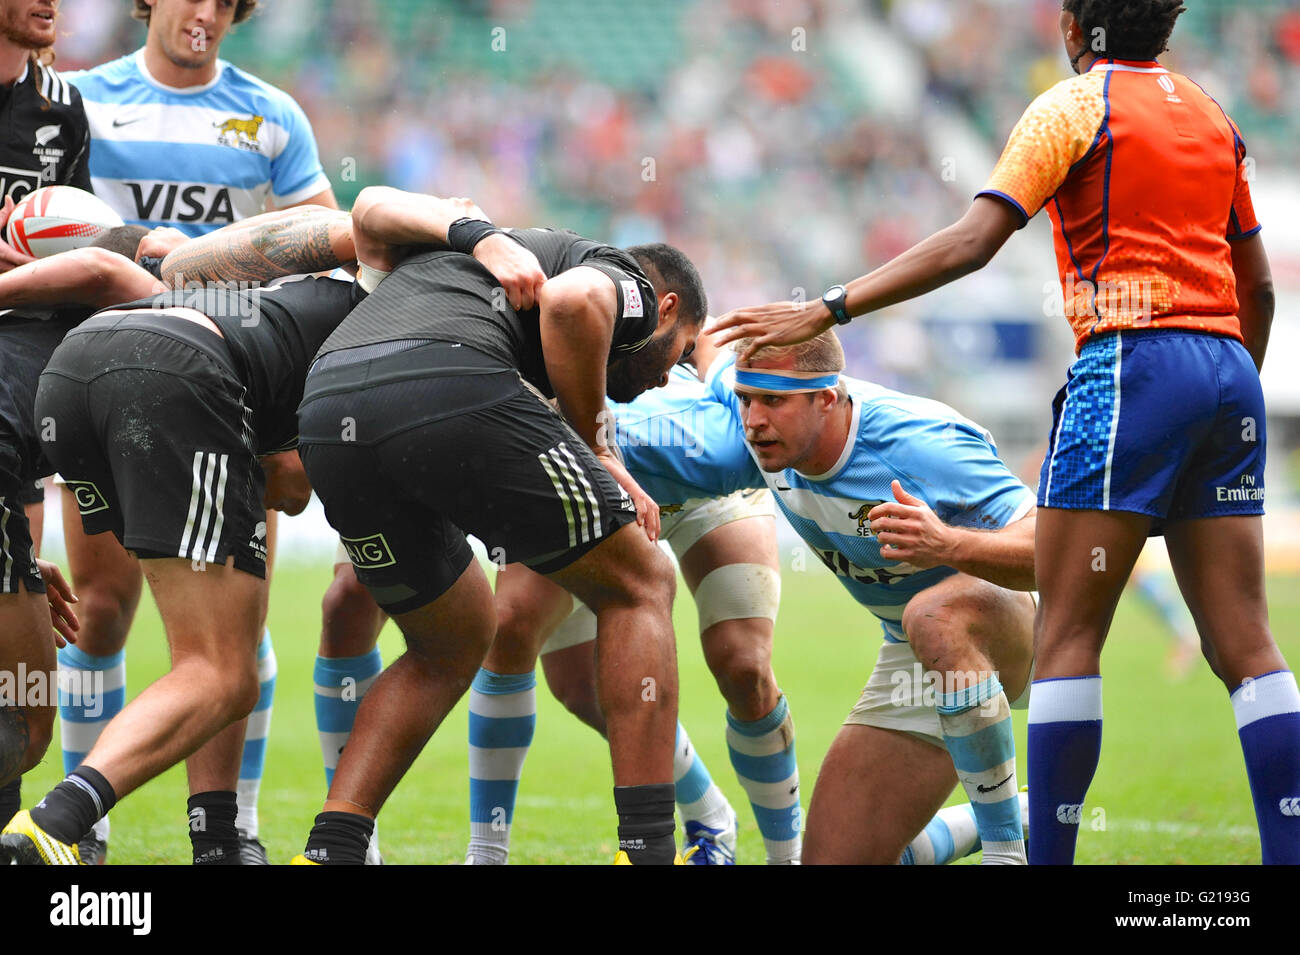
point(122, 239)
point(1130, 29)
point(669, 270)
point(243, 10)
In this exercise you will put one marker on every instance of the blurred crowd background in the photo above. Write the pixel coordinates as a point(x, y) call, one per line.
point(784, 144)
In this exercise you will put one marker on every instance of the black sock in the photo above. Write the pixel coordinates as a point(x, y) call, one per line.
point(213, 835)
point(645, 823)
point(339, 838)
point(11, 800)
point(69, 809)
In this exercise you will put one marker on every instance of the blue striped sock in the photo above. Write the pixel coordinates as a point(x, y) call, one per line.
point(502, 716)
point(255, 733)
point(951, 834)
point(1064, 747)
point(340, 682)
point(698, 796)
point(92, 690)
point(976, 723)
point(762, 753)
point(1267, 709)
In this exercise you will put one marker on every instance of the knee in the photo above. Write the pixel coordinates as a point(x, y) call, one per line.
point(518, 624)
point(350, 618)
point(742, 671)
point(234, 688)
point(934, 626)
point(652, 583)
point(105, 608)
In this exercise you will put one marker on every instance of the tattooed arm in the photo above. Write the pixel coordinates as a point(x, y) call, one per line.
point(389, 221)
point(265, 247)
point(89, 276)
point(390, 225)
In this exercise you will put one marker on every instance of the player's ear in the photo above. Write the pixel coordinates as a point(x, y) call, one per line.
point(1069, 26)
point(667, 310)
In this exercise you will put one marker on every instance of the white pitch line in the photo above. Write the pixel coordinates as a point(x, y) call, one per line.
point(1165, 828)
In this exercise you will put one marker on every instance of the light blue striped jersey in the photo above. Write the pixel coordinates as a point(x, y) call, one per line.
point(196, 158)
point(674, 440)
point(937, 455)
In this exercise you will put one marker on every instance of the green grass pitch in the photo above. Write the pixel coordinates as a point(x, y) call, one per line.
point(1171, 787)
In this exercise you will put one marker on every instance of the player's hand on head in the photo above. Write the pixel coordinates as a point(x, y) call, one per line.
point(517, 269)
point(774, 324)
point(909, 531)
point(61, 598)
point(159, 242)
point(10, 258)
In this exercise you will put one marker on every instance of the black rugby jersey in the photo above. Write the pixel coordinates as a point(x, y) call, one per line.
point(46, 138)
point(26, 345)
point(449, 297)
point(272, 332)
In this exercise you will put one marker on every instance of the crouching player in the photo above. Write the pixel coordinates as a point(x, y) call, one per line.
point(908, 504)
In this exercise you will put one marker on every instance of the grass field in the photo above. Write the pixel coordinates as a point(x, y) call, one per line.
point(1171, 783)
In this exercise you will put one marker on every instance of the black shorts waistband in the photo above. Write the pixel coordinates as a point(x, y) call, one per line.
point(367, 366)
point(169, 326)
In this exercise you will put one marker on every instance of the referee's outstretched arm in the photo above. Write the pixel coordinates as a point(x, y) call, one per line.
point(963, 247)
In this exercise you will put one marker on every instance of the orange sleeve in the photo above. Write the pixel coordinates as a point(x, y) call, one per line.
point(1241, 219)
point(1057, 130)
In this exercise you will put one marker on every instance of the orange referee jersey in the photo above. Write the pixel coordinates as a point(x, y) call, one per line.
point(1142, 175)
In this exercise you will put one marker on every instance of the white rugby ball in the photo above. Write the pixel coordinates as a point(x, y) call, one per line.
point(57, 219)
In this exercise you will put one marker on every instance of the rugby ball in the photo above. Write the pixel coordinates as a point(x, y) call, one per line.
point(57, 219)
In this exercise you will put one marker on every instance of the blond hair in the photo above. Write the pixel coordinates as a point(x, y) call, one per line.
point(823, 353)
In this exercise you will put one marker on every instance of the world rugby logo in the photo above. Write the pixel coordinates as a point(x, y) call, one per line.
point(368, 553)
point(1069, 814)
point(1290, 805)
point(89, 500)
point(1166, 84)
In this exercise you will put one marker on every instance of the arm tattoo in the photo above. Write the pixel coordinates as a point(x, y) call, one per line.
point(299, 242)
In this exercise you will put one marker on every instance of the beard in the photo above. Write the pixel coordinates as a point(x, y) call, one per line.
point(638, 372)
point(18, 28)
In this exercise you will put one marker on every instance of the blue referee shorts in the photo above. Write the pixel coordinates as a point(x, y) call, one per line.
point(1163, 422)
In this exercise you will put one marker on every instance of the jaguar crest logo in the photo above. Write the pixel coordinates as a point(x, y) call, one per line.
point(244, 132)
point(860, 515)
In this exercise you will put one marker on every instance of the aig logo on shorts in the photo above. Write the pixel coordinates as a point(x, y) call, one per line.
point(89, 500)
point(368, 553)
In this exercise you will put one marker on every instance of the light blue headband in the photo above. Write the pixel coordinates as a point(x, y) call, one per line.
point(785, 382)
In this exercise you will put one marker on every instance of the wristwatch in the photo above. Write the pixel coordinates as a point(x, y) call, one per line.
point(834, 299)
